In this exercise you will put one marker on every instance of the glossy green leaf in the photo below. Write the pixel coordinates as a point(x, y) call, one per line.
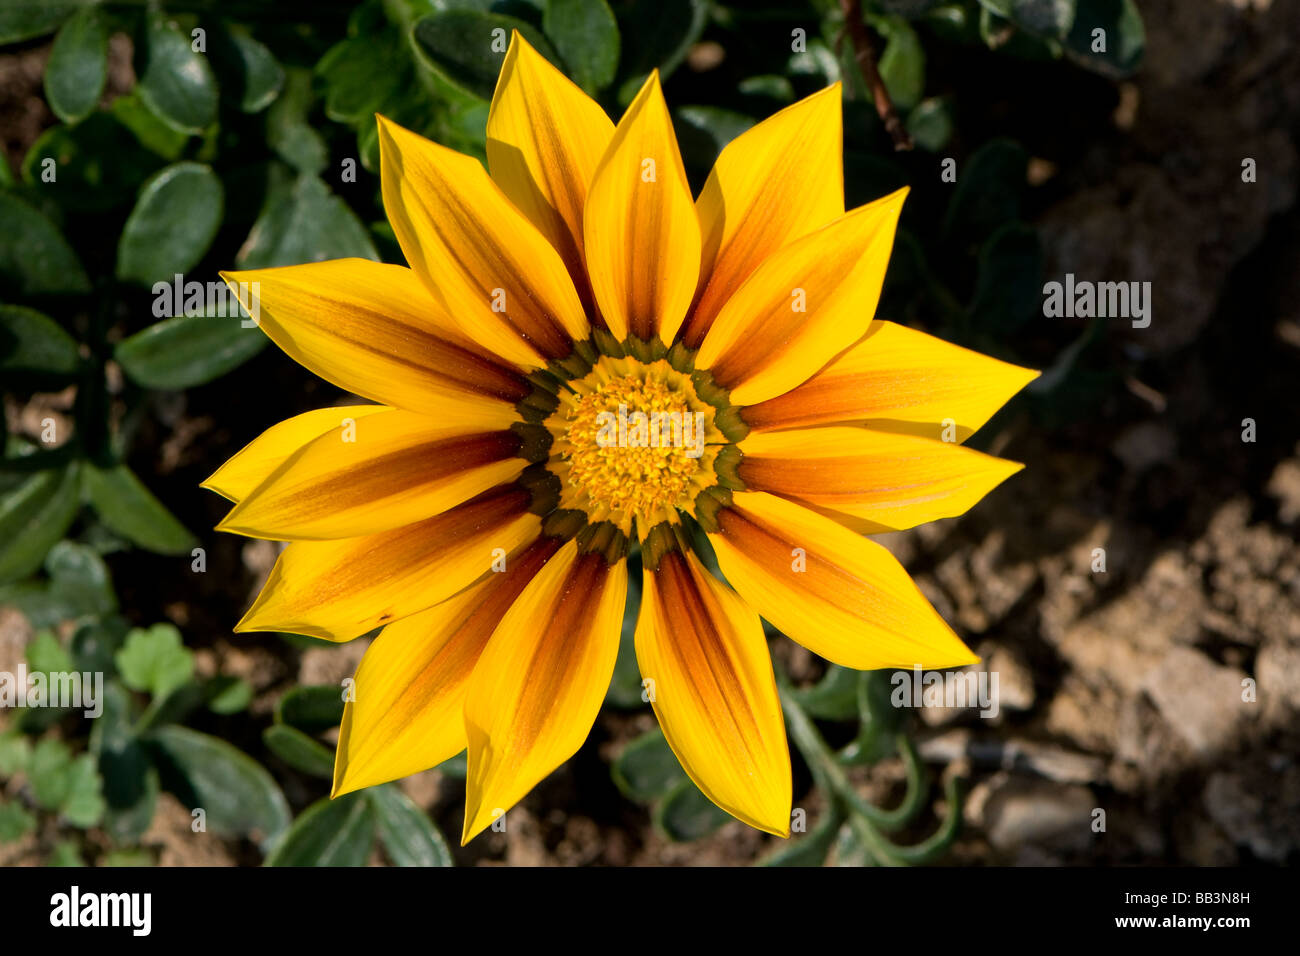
point(78, 66)
point(129, 508)
point(189, 350)
point(176, 82)
point(312, 708)
point(298, 750)
point(360, 74)
point(79, 583)
point(329, 833)
point(468, 46)
point(1049, 19)
point(238, 796)
point(172, 225)
point(304, 222)
point(662, 31)
point(24, 19)
point(246, 68)
point(35, 259)
point(147, 129)
point(155, 660)
point(288, 131)
point(34, 345)
point(95, 166)
point(33, 517)
point(585, 34)
point(647, 768)
point(406, 833)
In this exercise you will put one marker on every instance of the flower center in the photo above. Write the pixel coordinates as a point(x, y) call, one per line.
point(632, 442)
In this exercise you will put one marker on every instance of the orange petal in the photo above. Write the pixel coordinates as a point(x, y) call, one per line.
point(803, 306)
point(410, 688)
point(538, 687)
point(772, 184)
point(494, 273)
point(899, 378)
point(894, 481)
point(642, 234)
point(703, 651)
point(838, 594)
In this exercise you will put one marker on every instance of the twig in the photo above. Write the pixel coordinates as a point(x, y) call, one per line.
point(866, 60)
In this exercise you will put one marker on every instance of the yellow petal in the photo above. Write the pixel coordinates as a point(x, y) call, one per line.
point(338, 590)
point(899, 378)
point(385, 471)
point(642, 234)
point(495, 274)
point(253, 463)
point(895, 481)
point(374, 330)
point(805, 304)
point(411, 685)
point(538, 687)
point(838, 594)
point(714, 694)
point(545, 138)
point(771, 185)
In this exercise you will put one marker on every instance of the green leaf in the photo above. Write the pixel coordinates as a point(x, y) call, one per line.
point(902, 65)
point(467, 47)
point(930, 124)
point(15, 753)
point(664, 30)
point(130, 509)
point(189, 350)
point(686, 814)
point(238, 796)
point(289, 133)
point(35, 259)
point(79, 582)
point(988, 190)
point(34, 345)
point(95, 166)
point(155, 660)
point(1117, 51)
point(329, 833)
point(246, 68)
point(647, 769)
point(78, 66)
point(66, 853)
point(15, 822)
point(45, 655)
point(176, 83)
point(33, 517)
point(834, 697)
point(312, 709)
point(96, 642)
point(1008, 291)
point(406, 833)
point(228, 695)
point(67, 784)
point(1047, 19)
point(147, 130)
point(305, 222)
point(585, 34)
point(298, 750)
point(172, 225)
point(808, 850)
point(360, 74)
point(24, 19)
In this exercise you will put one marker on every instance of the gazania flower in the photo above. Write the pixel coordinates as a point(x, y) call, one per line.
point(580, 361)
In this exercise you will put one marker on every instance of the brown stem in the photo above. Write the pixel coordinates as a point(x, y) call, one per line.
point(866, 60)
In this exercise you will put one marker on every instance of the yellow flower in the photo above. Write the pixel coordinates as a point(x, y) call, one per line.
point(582, 359)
